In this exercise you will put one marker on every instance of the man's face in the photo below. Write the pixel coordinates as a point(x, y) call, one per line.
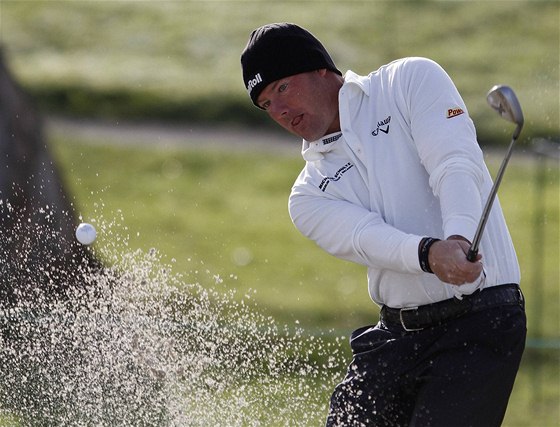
point(304, 104)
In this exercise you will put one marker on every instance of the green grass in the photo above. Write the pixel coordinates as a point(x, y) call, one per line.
point(180, 60)
point(7, 420)
point(224, 213)
point(534, 401)
point(219, 217)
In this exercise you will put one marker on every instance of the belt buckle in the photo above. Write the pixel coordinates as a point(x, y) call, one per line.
point(402, 320)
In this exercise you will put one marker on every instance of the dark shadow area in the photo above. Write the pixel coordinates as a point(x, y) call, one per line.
point(40, 258)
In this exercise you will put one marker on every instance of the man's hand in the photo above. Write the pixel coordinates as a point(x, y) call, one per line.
point(448, 261)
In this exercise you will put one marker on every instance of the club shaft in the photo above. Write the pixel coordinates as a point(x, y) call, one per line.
point(473, 250)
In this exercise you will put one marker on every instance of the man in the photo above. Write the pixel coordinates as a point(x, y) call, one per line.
point(394, 180)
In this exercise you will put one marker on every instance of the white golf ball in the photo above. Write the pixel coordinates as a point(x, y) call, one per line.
point(85, 233)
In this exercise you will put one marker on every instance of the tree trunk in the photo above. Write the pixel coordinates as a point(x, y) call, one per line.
point(39, 256)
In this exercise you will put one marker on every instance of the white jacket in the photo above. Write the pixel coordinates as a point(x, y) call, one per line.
point(406, 165)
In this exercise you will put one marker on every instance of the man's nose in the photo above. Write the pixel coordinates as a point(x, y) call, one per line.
point(278, 110)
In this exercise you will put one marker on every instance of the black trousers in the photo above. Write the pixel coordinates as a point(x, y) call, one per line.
point(459, 373)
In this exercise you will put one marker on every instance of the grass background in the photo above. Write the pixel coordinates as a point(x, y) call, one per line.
point(225, 212)
point(179, 60)
point(220, 215)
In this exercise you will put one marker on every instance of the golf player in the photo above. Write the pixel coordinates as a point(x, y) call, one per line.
point(394, 180)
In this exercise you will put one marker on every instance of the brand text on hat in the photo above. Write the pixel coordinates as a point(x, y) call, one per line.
point(253, 82)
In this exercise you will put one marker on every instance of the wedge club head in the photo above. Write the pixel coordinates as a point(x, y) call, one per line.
point(502, 99)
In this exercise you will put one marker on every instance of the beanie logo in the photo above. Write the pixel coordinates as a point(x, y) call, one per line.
point(253, 82)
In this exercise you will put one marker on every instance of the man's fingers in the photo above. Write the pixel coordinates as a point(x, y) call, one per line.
point(449, 263)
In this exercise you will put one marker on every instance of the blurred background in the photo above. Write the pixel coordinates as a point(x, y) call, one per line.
point(147, 117)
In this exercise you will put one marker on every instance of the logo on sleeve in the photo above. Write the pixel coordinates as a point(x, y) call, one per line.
point(454, 112)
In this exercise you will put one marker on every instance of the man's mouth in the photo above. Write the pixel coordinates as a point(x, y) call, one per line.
point(297, 120)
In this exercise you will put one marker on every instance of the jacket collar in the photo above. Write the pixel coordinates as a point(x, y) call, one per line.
point(313, 150)
point(353, 79)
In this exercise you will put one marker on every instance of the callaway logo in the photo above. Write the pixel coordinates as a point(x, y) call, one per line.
point(382, 126)
point(454, 112)
point(336, 177)
point(253, 82)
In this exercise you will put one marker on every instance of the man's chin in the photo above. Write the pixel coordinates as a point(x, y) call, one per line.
point(304, 133)
point(297, 133)
point(309, 136)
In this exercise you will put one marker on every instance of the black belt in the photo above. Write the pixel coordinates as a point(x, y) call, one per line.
point(425, 316)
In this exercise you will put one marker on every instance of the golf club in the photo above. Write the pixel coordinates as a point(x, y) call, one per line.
point(503, 100)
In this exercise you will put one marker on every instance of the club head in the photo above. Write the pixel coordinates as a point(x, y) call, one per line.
point(503, 100)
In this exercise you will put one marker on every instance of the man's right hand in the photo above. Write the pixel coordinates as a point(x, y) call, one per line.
point(448, 261)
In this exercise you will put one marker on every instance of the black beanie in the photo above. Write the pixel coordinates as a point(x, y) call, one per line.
point(279, 50)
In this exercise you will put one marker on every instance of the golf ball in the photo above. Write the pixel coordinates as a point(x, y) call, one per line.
point(85, 233)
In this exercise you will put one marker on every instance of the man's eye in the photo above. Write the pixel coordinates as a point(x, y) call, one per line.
point(265, 105)
point(282, 87)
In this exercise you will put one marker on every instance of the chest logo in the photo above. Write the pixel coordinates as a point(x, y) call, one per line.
point(325, 182)
point(382, 126)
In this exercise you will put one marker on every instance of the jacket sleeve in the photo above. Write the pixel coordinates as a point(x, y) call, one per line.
point(351, 232)
point(447, 148)
point(445, 139)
